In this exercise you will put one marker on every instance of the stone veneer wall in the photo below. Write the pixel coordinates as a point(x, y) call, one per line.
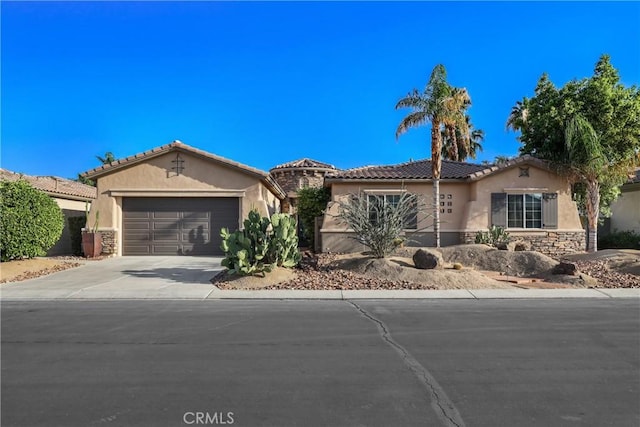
point(552, 243)
point(292, 180)
point(109, 242)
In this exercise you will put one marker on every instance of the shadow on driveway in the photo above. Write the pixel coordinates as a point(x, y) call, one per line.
point(176, 274)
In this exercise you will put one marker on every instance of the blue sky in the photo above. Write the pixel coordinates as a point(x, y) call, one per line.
point(265, 83)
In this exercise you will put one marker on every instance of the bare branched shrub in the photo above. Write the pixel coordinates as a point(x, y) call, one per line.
point(382, 222)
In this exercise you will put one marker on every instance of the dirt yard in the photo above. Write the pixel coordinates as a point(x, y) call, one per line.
point(16, 271)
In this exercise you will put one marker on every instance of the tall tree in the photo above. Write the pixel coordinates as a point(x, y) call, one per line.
point(442, 106)
point(589, 130)
point(460, 149)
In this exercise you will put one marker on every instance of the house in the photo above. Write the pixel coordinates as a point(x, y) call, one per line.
point(625, 211)
point(72, 197)
point(174, 199)
point(522, 195)
point(298, 174)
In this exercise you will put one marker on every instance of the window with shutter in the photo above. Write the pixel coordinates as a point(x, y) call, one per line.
point(499, 209)
point(549, 210)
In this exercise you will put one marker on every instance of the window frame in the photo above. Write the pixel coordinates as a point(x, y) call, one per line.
point(525, 211)
point(385, 195)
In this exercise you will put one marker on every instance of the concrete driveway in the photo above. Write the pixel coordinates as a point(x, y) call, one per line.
point(123, 277)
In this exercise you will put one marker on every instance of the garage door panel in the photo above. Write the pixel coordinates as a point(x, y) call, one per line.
point(138, 215)
point(136, 225)
point(166, 215)
point(177, 226)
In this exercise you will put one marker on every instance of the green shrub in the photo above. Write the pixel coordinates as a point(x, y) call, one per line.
point(30, 221)
point(312, 203)
point(619, 240)
point(76, 224)
point(261, 245)
point(494, 237)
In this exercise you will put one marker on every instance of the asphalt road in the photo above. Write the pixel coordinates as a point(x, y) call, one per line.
point(321, 363)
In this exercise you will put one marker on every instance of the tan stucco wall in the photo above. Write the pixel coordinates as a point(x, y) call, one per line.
point(477, 212)
point(626, 211)
point(471, 204)
point(449, 221)
point(199, 178)
point(74, 205)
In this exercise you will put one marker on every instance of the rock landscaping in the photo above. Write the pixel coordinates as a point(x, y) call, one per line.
point(454, 267)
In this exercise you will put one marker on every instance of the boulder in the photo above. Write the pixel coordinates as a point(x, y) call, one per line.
point(564, 267)
point(428, 260)
point(521, 245)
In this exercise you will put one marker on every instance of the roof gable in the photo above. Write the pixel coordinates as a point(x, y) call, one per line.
point(180, 147)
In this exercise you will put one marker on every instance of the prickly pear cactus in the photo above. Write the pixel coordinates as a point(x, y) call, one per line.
point(262, 244)
point(285, 240)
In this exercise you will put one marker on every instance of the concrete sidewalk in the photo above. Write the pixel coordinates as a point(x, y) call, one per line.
point(184, 278)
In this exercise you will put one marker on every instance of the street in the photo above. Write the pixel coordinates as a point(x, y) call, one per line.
point(552, 362)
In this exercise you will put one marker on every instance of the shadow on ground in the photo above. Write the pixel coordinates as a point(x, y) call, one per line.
point(178, 275)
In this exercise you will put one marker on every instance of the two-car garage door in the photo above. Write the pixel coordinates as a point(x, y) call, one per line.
point(176, 225)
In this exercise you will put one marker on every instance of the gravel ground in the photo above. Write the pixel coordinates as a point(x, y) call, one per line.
point(316, 273)
point(607, 278)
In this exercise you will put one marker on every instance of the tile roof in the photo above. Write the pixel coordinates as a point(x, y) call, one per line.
point(420, 169)
point(179, 146)
point(54, 186)
point(304, 164)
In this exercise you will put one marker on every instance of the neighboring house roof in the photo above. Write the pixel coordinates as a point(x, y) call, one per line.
point(54, 186)
point(304, 164)
point(421, 170)
point(179, 146)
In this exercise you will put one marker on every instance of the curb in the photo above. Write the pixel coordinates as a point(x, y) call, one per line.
point(217, 294)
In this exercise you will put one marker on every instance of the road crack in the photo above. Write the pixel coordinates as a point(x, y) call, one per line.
point(440, 402)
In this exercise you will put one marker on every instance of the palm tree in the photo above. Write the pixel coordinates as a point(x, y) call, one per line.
point(462, 148)
point(107, 159)
point(584, 161)
point(440, 105)
point(518, 116)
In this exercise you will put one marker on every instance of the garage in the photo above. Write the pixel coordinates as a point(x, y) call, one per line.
point(176, 225)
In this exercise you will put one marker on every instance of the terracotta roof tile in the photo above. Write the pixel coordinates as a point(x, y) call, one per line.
point(420, 169)
point(303, 164)
point(54, 185)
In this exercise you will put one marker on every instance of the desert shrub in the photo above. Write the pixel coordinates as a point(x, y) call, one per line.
point(619, 240)
point(312, 203)
point(494, 237)
point(378, 225)
point(30, 221)
point(457, 266)
point(76, 224)
point(262, 244)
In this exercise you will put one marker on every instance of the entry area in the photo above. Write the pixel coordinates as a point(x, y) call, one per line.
point(176, 225)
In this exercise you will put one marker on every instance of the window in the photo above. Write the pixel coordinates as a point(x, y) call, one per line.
point(379, 203)
point(524, 210)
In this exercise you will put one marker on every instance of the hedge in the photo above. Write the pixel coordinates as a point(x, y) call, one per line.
point(30, 221)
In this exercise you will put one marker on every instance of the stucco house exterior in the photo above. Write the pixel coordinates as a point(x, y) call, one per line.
point(522, 195)
point(625, 211)
point(174, 199)
point(72, 197)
